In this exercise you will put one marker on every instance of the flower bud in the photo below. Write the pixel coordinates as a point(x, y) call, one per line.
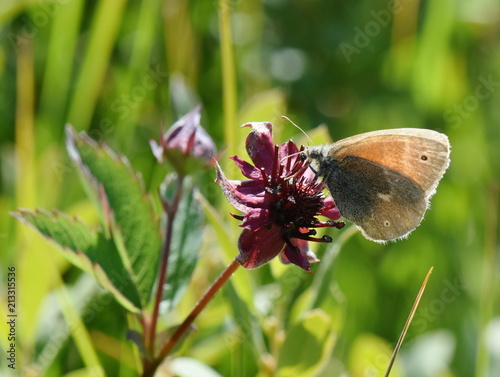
point(186, 145)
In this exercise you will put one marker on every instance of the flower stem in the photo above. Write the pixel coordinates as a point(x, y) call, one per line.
point(176, 336)
point(171, 210)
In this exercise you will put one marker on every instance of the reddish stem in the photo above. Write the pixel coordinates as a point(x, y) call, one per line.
point(171, 210)
point(177, 335)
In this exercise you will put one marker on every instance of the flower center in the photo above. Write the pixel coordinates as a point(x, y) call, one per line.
point(297, 204)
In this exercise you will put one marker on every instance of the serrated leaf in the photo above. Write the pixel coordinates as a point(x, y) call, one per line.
point(88, 250)
point(308, 346)
point(186, 242)
point(126, 210)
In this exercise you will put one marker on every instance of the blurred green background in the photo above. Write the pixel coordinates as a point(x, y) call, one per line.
point(119, 69)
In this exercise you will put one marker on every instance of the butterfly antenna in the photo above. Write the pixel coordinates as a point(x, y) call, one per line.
point(301, 130)
point(290, 155)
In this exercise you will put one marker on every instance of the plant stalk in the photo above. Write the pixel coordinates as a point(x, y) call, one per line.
point(177, 335)
point(171, 210)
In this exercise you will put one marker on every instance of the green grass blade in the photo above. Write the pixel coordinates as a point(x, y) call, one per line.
point(103, 32)
point(230, 101)
point(58, 71)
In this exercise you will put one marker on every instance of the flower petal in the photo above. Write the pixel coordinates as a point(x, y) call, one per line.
point(189, 137)
point(260, 145)
point(310, 175)
point(288, 149)
point(301, 259)
point(186, 145)
point(157, 150)
point(256, 218)
point(330, 210)
point(247, 169)
point(242, 195)
point(258, 248)
point(311, 257)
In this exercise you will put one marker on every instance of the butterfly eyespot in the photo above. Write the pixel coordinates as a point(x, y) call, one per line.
point(423, 157)
point(387, 223)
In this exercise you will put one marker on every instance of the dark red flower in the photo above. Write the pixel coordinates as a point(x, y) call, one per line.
point(280, 202)
point(186, 145)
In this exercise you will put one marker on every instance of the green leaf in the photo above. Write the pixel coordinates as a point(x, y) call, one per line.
point(186, 366)
point(186, 242)
point(88, 250)
point(126, 211)
point(308, 346)
point(370, 355)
